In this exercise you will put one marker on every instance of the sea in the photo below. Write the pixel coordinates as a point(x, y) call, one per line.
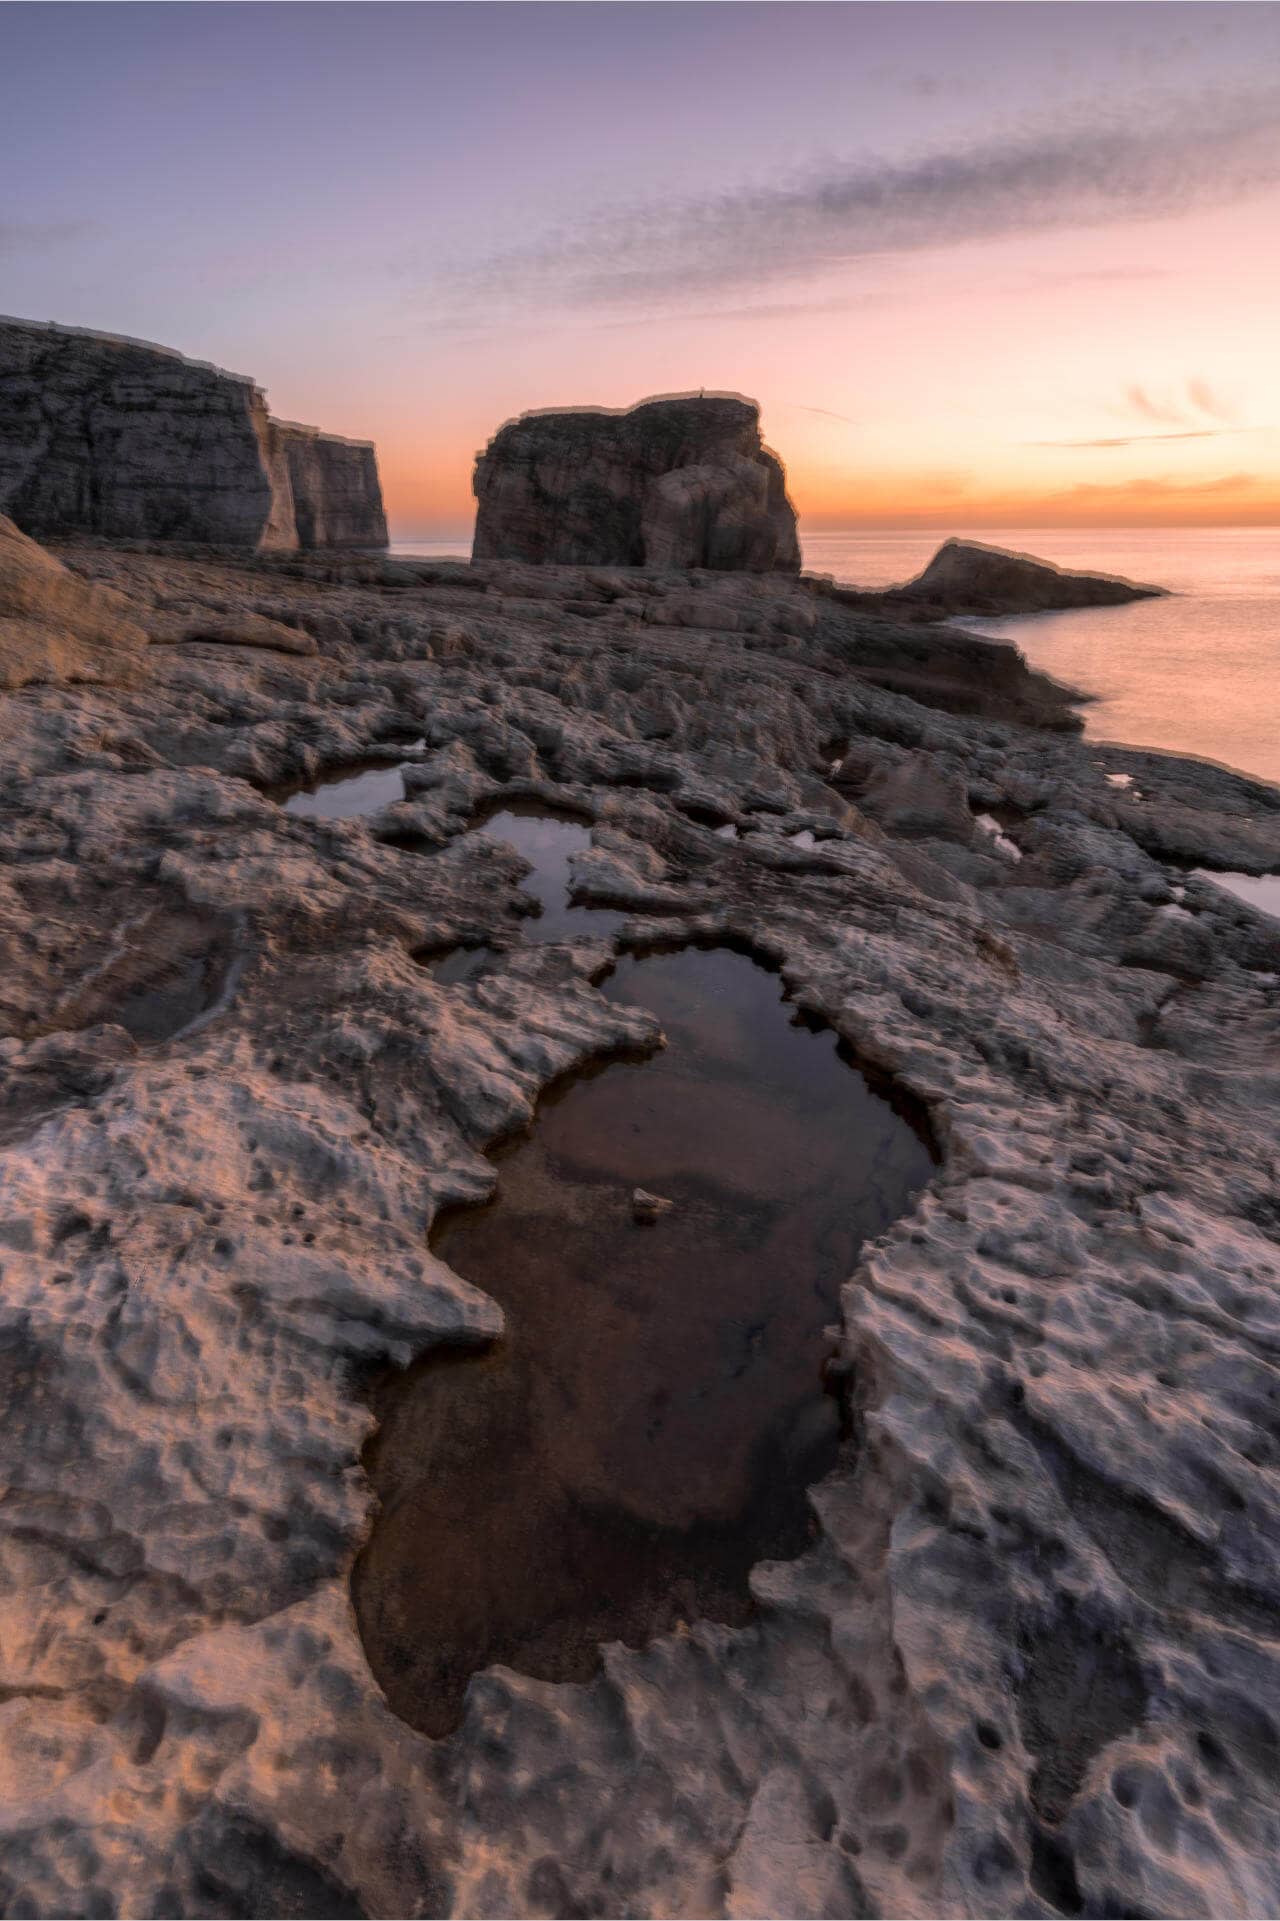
point(1196, 673)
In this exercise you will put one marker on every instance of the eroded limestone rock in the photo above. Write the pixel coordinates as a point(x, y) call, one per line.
point(109, 436)
point(1029, 1662)
point(672, 483)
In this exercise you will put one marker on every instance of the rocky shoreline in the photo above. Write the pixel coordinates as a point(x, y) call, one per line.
point(1028, 1663)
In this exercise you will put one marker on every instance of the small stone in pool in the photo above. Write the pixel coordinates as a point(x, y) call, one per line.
point(648, 1208)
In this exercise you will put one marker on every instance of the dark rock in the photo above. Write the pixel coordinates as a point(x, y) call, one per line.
point(672, 483)
point(964, 577)
point(116, 437)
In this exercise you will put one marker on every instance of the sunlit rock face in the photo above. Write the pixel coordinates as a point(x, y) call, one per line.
point(116, 437)
point(55, 626)
point(967, 577)
point(673, 483)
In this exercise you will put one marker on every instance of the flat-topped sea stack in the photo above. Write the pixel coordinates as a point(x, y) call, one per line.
point(967, 577)
point(672, 483)
point(114, 437)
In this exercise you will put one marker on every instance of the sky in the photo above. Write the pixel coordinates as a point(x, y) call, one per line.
point(981, 265)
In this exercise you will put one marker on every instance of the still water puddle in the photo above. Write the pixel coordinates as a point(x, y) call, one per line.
point(548, 839)
point(348, 796)
point(644, 1432)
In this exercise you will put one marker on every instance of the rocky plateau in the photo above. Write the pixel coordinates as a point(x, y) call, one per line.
point(1028, 1661)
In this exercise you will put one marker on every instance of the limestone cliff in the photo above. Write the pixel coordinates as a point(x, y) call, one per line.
point(337, 501)
point(672, 483)
point(116, 437)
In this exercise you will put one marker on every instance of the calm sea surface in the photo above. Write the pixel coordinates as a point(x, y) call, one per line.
point(1198, 673)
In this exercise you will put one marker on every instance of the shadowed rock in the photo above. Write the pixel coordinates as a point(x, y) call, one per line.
point(965, 577)
point(672, 483)
point(117, 437)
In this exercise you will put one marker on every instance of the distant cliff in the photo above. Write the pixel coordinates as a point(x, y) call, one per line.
point(672, 483)
point(116, 437)
point(337, 501)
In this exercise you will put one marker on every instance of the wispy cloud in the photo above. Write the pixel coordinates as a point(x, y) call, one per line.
point(1141, 402)
point(1212, 152)
point(37, 236)
point(1163, 485)
point(1186, 406)
point(830, 414)
point(1142, 440)
point(1209, 401)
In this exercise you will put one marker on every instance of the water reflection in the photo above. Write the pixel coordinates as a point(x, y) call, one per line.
point(348, 796)
point(1255, 890)
point(645, 1432)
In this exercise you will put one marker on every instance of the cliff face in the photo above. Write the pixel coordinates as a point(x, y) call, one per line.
point(671, 483)
point(333, 483)
point(115, 437)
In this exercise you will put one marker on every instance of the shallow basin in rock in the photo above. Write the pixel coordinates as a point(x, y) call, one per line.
point(548, 838)
point(645, 1431)
point(348, 795)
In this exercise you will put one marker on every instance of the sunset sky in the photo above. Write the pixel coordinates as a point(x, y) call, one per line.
point(981, 265)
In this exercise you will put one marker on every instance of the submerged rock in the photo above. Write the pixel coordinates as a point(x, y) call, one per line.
point(966, 577)
point(672, 483)
point(104, 435)
point(646, 1208)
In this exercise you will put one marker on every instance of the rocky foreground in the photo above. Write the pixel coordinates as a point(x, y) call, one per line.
point(1029, 1664)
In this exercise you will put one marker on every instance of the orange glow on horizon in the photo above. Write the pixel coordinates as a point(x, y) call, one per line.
point(435, 500)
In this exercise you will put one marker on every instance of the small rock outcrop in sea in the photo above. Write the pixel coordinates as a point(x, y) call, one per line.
point(672, 483)
point(101, 435)
point(966, 577)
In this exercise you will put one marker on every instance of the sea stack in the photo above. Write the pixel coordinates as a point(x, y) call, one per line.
point(119, 438)
point(672, 483)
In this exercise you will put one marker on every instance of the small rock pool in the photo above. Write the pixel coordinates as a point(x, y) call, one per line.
point(646, 1428)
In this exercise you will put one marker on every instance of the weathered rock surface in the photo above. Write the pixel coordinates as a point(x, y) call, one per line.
point(1029, 1664)
point(108, 436)
point(966, 577)
point(337, 498)
point(672, 483)
point(56, 627)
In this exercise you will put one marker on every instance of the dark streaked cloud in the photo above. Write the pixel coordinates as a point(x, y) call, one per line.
point(1212, 152)
point(828, 412)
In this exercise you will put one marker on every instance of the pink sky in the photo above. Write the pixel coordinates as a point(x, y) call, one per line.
point(990, 265)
